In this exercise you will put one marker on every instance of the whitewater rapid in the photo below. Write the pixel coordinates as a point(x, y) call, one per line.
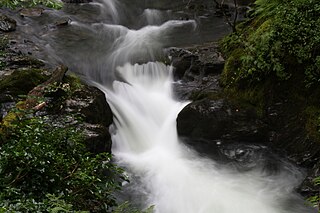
point(173, 178)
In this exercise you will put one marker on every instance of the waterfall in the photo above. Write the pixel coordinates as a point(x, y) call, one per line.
point(164, 172)
point(105, 46)
point(172, 177)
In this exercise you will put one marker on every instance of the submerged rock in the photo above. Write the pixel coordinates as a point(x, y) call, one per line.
point(31, 12)
point(7, 24)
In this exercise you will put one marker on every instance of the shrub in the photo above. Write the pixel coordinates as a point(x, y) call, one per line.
point(281, 41)
point(56, 4)
point(41, 163)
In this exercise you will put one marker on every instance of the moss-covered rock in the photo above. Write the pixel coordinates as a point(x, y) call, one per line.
point(20, 82)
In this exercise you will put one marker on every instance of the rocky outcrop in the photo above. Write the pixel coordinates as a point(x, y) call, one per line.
point(90, 104)
point(196, 62)
point(266, 116)
point(65, 100)
point(219, 120)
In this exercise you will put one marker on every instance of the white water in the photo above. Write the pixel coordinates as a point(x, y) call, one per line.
point(165, 173)
point(173, 178)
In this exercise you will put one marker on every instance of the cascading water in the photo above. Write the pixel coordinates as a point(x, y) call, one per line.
point(164, 172)
point(173, 178)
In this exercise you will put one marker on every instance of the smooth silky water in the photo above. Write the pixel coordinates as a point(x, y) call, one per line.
point(116, 46)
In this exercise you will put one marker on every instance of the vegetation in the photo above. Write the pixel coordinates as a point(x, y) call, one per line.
point(56, 4)
point(275, 55)
point(47, 168)
point(315, 200)
point(281, 41)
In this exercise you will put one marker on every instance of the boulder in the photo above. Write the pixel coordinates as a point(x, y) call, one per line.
point(218, 120)
point(88, 104)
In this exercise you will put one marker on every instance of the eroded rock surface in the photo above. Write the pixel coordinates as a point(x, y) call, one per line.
point(7, 24)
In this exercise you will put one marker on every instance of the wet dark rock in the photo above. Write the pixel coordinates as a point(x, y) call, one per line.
point(89, 104)
point(62, 22)
point(98, 138)
point(7, 24)
point(216, 119)
point(196, 62)
point(31, 12)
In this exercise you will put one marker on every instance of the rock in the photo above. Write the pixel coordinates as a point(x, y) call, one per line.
point(62, 22)
point(90, 105)
point(31, 12)
point(20, 82)
point(97, 138)
point(76, 1)
point(7, 24)
point(196, 62)
point(217, 120)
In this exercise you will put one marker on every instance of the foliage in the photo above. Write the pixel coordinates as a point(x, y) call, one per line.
point(281, 41)
point(315, 200)
point(56, 4)
point(46, 168)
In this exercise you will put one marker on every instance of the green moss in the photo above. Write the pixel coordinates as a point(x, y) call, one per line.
point(74, 81)
point(211, 95)
point(248, 98)
point(230, 73)
point(20, 82)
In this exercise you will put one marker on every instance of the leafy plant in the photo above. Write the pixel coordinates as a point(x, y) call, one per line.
point(56, 4)
point(281, 41)
point(315, 200)
point(40, 159)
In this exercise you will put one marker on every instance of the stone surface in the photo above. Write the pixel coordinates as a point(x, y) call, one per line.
point(217, 120)
point(31, 12)
point(196, 62)
point(7, 24)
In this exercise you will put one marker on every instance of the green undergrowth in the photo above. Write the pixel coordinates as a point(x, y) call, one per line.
point(56, 4)
point(315, 199)
point(280, 40)
point(274, 57)
point(47, 168)
point(45, 165)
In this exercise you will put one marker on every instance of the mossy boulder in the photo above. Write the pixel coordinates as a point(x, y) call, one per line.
point(20, 82)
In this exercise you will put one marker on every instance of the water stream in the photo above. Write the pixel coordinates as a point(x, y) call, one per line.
point(117, 46)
